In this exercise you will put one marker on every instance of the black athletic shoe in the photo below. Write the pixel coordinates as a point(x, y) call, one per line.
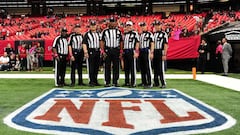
point(126, 85)
point(72, 85)
point(147, 87)
point(132, 86)
point(163, 86)
point(115, 85)
point(107, 85)
point(91, 85)
point(66, 84)
point(97, 84)
point(82, 84)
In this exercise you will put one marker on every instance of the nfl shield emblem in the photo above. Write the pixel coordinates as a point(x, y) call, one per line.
point(118, 111)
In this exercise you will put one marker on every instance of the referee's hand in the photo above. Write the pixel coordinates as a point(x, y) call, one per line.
point(151, 56)
point(164, 57)
point(57, 58)
point(72, 58)
point(136, 55)
point(86, 55)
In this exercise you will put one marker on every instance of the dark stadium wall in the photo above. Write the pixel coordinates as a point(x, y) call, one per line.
point(232, 32)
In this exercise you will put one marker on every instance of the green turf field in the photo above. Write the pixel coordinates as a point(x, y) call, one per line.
point(16, 92)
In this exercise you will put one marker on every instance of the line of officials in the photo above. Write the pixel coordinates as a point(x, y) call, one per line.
point(112, 45)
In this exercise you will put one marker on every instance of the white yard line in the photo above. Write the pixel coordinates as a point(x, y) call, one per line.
point(222, 81)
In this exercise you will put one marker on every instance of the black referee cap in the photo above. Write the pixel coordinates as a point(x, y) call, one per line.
point(93, 22)
point(156, 22)
point(142, 24)
point(64, 29)
point(112, 19)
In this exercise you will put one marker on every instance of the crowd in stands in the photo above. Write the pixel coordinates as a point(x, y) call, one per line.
point(48, 27)
point(221, 17)
point(27, 57)
point(30, 56)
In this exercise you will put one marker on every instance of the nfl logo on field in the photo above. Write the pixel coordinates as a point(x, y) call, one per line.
point(118, 111)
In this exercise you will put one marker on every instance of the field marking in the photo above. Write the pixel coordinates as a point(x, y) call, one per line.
point(222, 81)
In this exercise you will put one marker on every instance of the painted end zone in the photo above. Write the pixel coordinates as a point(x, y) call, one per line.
point(117, 110)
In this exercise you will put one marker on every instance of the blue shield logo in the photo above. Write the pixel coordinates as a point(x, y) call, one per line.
point(118, 111)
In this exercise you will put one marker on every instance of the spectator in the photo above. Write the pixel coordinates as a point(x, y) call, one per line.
point(18, 64)
point(40, 56)
point(168, 30)
point(226, 55)
point(23, 56)
point(184, 32)
point(30, 57)
point(203, 51)
point(4, 62)
point(9, 49)
point(219, 57)
point(12, 62)
point(176, 33)
point(196, 30)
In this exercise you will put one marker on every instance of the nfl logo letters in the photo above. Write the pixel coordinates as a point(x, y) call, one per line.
point(117, 110)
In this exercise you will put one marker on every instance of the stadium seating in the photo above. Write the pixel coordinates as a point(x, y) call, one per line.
point(31, 26)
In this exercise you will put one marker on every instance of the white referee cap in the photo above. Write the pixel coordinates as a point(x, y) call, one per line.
point(129, 23)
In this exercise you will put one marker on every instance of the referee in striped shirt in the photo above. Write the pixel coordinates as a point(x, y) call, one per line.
point(130, 53)
point(61, 49)
point(91, 48)
point(112, 43)
point(146, 55)
point(75, 41)
point(160, 52)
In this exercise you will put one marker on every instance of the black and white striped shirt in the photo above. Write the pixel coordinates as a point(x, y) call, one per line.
point(92, 39)
point(112, 37)
point(130, 40)
point(61, 45)
point(75, 40)
point(145, 39)
point(160, 38)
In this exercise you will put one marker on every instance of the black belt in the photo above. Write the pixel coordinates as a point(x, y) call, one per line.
point(158, 49)
point(112, 47)
point(144, 49)
point(128, 50)
point(94, 49)
point(77, 50)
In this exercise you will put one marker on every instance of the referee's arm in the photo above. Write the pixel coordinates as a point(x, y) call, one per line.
point(136, 53)
point(102, 42)
point(164, 56)
point(70, 53)
point(84, 45)
point(54, 50)
point(151, 49)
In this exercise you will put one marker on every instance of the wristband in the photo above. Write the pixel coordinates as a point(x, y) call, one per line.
point(121, 51)
point(102, 51)
point(136, 51)
point(55, 55)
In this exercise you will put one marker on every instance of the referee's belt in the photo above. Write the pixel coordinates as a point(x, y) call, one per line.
point(112, 48)
point(62, 55)
point(158, 49)
point(77, 50)
point(144, 49)
point(128, 50)
point(94, 49)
